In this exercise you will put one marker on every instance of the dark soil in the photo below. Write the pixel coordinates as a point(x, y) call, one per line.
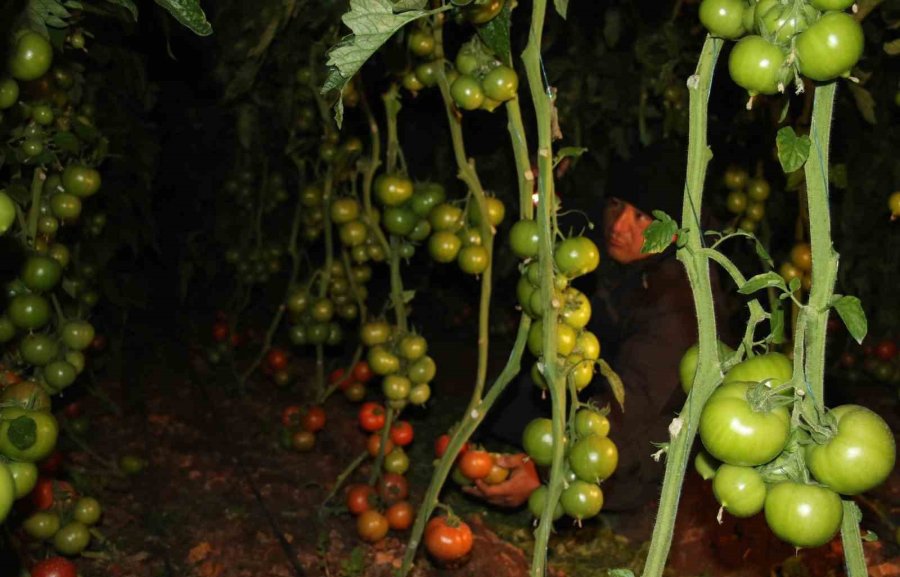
point(221, 498)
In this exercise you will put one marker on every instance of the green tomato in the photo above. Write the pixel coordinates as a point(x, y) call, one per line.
point(593, 458)
point(38, 349)
point(740, 490)
point(576, 312)
point(537, 440)
point(576, 256)
point(41, 273)
point(538, 500)
point(7, 490)
point(7, 212)
point(473, 260)
point(426, 196)
point(82, 181)
point(31, 57)
point(29, 311)
point(774, 367)
point(566, 338)
point(523, 239)
point(41, 525)
point(723, 18)
point(396, 461)
point(419, 394)
point(705, 465)
point(395, 387)
point(445, 217)
point(72, 539)
point(733, 432)
point(87, 511)
point(803, 515)
point(45, 431)
point(830, 47)
point(60, 374)
point(501, 83)
point(587, 345)
point(393, 189)
point(755, 64)
point(77, 335)
point(422, 370)
point(688, 365)
point(590, 422)
point(859, 457)
point(581, 500)
point(467, 92)
point(9, 93)
point(65, 206)
point(828, 5)
point(25, 476)
point(399, 220)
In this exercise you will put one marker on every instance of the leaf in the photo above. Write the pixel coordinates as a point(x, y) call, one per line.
point(408, 296)
point(568, 151)
point(870, 536)
point(53, 13)
point(864, 102)
point(615, 383)
point(660, 233)
point(371, 22)
point(761, 281)
point(22, 432)
point(495, 33)
point(128, 5)
point(189, 14)
point(793, 150)
point(851, 312)
point(562, 6)
point(404, 5)
point(794, 285)
point(762, 253)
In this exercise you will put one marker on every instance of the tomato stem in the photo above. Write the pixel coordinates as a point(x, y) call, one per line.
point(34, 212)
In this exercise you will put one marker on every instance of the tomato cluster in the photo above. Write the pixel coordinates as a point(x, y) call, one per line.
point(300, 426)
point(63, 518)
point(767, 464)
point(780, 40)
point(876, 359)
point(798, 266)
point(746, 198)
point(591, 458)
point(401, 361)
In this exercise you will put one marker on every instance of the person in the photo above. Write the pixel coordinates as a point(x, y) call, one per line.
point(644, 318)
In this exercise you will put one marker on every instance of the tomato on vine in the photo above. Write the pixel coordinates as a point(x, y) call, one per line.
point(448, 538)
point(803, 515)
point(755, 64)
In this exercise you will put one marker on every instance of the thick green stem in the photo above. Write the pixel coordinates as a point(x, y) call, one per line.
point(34, 213)
point(854, 558)
point(520, 152)
point(397, 286)
point(463, 432)
point(709, 372)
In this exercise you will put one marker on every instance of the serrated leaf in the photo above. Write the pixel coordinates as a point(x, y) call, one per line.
point(659, 234)
point(404, 5)
point(615, 382)
point(793, 150)
point(189, 14)
point(495, 33)
point(562, 6)
point(372, 23)
point(128, 5)
point(864, 102)
point(22, 432)
point(762, 253)
point(53, 13)
point(568, 151)
point(893, 47)
point(620, 573)
point(761, 281)
point(776, 321)
point(851, 312)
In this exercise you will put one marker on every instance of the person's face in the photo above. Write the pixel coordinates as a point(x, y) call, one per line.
point(623, 231)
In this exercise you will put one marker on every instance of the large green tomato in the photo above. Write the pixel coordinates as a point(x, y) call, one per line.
point(41, 273)
point(755, 65)
point(566, 338)
point(31, 57)
point(77, 335)
point(538, 499)
point(733, 432)
point(523, 238)
point(832, 4)
point(537, 440)
point(859, 457)
point(581, 500)
point(723, 18)
point(740, 490)
point(576, 256)
point(29, 311)
point(803, 515)
point(593, 458)
point(38, 349)
point(576, 312)
point(7, 490)
point(688, 365)
point(830, 47)
point(774, 367)
point(45, 433)
point(590, 422)
point(25, 476)
point(82, 181)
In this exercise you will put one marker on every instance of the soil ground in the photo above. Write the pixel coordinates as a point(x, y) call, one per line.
point(220, 498)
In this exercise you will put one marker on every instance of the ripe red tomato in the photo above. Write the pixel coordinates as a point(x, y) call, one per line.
point(48, 492)
point(441, 444)
point(276, 359)
point(371, 417)
point(400, 516)
point(886, 350)
point(393, 487)
point(313, 420)
point(476, 464)
point(362, 372)
point(290, 416)
point(220, 332)
point(360, 498)
point(448, 539)
point(337, 377)
point(54, 567)
point(52, 464)
point(402, 433)
point(373, 445)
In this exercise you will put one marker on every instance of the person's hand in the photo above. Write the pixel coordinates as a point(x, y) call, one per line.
point(522, 481)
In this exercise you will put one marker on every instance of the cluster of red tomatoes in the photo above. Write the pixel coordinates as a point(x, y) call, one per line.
point(876, 359)
point(746, 198)
point(300, 425)
point(777, 39)
point(401, 359)
point(794, 474)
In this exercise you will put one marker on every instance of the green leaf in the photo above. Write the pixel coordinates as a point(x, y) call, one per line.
point(615, 382)
point(870, 536)
point(851, 312)
point(793, 150)
point(568, 151)
point(371, 22)
point(864, 102)
point(404, 5)
point(495, 33)
point(794, 285)
point(189, 14)
point(762, 253)
point(52, 13)
point(620, 573)
point(22, 432)
point(893, 47)
point(562, 6)
point(128, 5)
point(777, 323)
point(659, 234)
point(761, 281)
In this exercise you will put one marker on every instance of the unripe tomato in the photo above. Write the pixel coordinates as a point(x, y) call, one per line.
point(467, 92)
point(420, 42)
point(372, 526)
point(444, 246)
point(755, 65)
point(736, 202)
point(803, 515)
point(740, 490)
point(31, 57)
point(538, 500)
point(830, 47)
point(393, 189)
point(723, 18)
point(801, 256)
point(581, 500)
point(501, 84)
